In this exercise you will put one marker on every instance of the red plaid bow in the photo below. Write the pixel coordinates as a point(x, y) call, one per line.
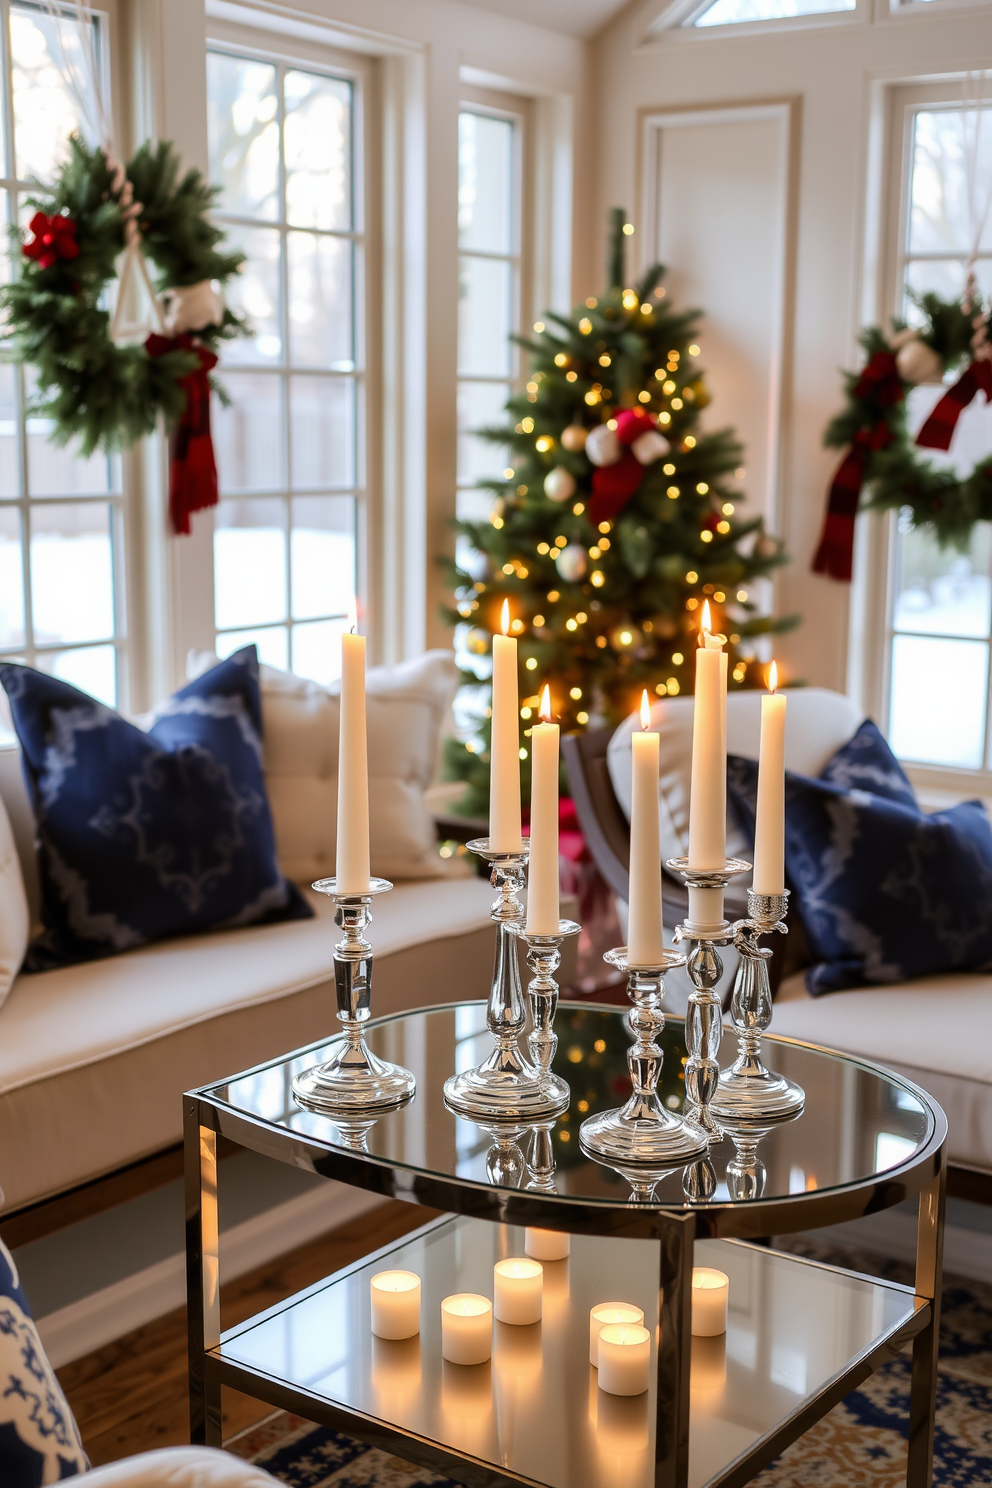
point(192, 471)
point(54, 238)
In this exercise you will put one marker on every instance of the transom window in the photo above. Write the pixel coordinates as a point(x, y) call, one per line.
point(61, 517)
point(940, 602)
point(736, 12)
point(289, 447)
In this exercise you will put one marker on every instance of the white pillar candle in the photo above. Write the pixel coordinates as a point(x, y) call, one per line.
point(352, 854)
point(708, 786)
point(769, 827)
point(395, 1304)
point(542, 869)
point(710, 1294)
point(518, 1285)
point(504, 750)
point(624, 1359)
point(605, 1314)
point(466, 1328)
point(547, 1245)
point(645, 944)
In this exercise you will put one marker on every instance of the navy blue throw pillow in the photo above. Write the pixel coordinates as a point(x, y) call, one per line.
point(39, 1440)
point(885, 892)
point(147, 835)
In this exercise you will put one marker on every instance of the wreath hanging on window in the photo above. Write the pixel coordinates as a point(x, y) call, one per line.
point(879, 453)
point(102, 379)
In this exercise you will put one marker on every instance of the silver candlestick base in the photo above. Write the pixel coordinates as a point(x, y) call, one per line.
point(643, 1131)
point(544, 959)
point(506, 1086)
point(354, 1079)
point(749, 1091)
point(704, 1015)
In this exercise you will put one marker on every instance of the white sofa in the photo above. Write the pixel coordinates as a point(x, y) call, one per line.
point(936, 1030)
point(94, 1058)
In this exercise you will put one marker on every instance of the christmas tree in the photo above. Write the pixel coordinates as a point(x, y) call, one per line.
point(616, 517)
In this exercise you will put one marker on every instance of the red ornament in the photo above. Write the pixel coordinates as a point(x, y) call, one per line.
point(54, 238)
point(613, 486)
point(632, 423)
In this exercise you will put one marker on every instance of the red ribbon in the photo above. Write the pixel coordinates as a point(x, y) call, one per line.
point(939, 428)
point(879, 380)
point(192, 469)
point(613, 486)
point(54, 238)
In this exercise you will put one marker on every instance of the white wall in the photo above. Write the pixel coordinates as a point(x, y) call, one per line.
point(831, 73)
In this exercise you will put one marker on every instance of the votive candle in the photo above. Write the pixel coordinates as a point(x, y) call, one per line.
point(624, 1359)
point(466, 1328)
point(710, 1295)
point(395, 1304)
point(604, 1314)
point(547, 1245)
point(517, 1288)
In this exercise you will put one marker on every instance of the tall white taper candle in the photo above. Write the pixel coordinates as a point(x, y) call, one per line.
point(352, 853)
point(504, 752)
point(542, 871)
point(645, 944)
point(769, 827)
point(708, 794)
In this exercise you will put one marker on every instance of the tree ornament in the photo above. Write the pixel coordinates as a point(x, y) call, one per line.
point(613, 486)
point(878, 451)
point(650, 446)
point(559, 484)
point(602, 445)
point(701, 395)
point(573, 437)
point(916, 362)
point(94, 385)
point(572, 563)
point(631, 423)
point(765, 546)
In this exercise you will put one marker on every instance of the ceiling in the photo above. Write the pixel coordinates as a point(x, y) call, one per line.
point(572, 17)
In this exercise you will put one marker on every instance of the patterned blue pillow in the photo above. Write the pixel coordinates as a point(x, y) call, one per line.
point(147, 835)
point(39, 1440)
point(885, 892)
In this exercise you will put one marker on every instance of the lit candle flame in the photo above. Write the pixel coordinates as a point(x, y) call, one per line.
point(706, 624)
point(505, 622)
point(645, 710)
point(545, 708)
point(773, 677)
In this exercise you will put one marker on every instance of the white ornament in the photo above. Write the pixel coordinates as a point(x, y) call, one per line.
point(917, 362)
point(559, 484)
point(572, 563)
point(650, 446)
point(574, 437)
point(602, 445)
point(191, 307)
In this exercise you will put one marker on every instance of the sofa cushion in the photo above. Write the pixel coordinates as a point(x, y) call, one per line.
point(14, 918)
point(119, 1040)
point(147, 835)
point(408, 707)
point(885, 891)
point(937, 1031)
point(819, 721)
point(39, 1440)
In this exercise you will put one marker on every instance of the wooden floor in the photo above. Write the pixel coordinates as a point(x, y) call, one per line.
point(131, 1395)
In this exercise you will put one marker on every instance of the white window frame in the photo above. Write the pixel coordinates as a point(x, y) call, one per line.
point(876, 558)
point(263, 46)
point(675, 22)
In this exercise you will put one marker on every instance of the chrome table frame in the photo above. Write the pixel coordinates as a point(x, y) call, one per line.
point(923, 1176)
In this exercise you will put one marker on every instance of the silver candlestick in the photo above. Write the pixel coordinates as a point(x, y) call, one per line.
point(506, 1086)
point(643, 1131)
point(353, 1079)
point(544, 959)
point(703, 1019)
point(749, 1091)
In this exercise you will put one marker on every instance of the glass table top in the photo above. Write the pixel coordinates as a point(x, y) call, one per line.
point(859, 1124)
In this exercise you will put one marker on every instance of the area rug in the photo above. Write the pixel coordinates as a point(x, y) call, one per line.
point(860, 1444)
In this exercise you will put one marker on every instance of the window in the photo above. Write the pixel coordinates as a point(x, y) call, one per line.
point(735, 12)
point(61, 517)
point(940, 603)
point(289, 445)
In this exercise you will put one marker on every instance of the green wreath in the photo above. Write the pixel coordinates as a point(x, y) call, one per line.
point(104, 394)
point(879, 454)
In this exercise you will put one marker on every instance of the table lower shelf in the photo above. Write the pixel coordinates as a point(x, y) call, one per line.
point(800, 1336)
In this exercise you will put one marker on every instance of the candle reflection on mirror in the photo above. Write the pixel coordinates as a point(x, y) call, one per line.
point(397, 1377)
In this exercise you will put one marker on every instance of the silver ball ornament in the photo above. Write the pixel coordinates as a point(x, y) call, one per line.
point(559, 484)
point(572, 563)
point(573, 438)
